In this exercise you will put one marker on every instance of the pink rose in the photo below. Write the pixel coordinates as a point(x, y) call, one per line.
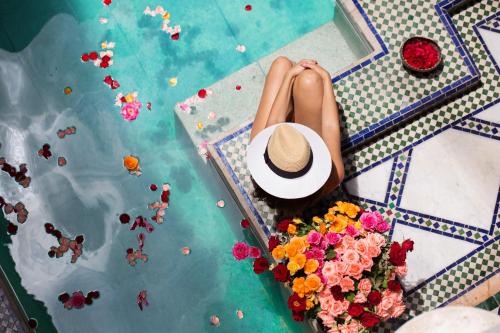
point(365, 286)
point(327, 319)
point(375, 238)
point(401, 270)
point(382, 227)
point(355, 270)
point(366, 262)
point(360, 298)
point(373, 251)
point(369, 220)
point(315, 253)
point(339, 307)
point(328, 269)
point(347, 284)
point(332, 238)
point(339, 267)
point(240, 251)
point(130, 111)
point(352, 327)
point(254, 252)
point(350, 256)
point(398, 310)
point(314, 237)
point(333, 280)
point(386, 303)
point(361, 247)
point(351, 231)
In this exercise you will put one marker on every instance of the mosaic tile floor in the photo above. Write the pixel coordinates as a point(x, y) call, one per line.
point(436, 178)
point(8, 320)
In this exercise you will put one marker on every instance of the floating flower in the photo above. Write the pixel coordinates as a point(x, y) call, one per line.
point(103, 20)
point(45, 151)
point(165, 15)
point(172, 81)
point(107, 2)
point(131, 163)
point(186, 250)
point(199, 125)
point(142, 299)
point(113, 84)
point(241, 48)
point(202, 93)
point(240, 251)
point(248, 8)
point(61, 161)
point(107, 45)
point(254, 252)
point(131, 110)
point(214, 320)
point(124, 218)
point(239, 314)
point(148, 106)
point(68, 90)
point(238, 87)
point(221, 203)
point(245, 224)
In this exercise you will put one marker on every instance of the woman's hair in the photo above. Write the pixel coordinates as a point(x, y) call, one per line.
point(286, 207)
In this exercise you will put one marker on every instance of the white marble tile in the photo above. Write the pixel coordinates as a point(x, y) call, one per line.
point(371, 184)
point(455, 175)
point(492, 40)
point(491, 114)
point(432, 253)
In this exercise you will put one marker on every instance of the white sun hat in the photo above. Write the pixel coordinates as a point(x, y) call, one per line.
point(289, 160)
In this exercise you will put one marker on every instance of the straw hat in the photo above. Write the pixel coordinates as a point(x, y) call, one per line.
point(289, 160)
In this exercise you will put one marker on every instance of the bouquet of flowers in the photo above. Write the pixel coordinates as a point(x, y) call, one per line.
point(341, 269)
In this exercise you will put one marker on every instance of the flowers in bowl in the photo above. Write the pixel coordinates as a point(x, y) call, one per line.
point(341, 269)
point(420, 54)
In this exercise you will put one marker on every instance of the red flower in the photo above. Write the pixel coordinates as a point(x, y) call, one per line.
point(164, 196)
point(248, 8)
point(397, 255)
point(77, 300)
point(374, 297)
point(273, 242)
point(175, 36)
point(281, 273)
point(407, 245)
point(298, 316)
point(238, 87)
point(420, 54)
point(93, 55)
point(244, 223)
point(85, 57)
point(282, 226)
point(394, 285)
point(107, 2)
point(153, 187)
point(260, 265)
point(296, 303)
point(12, 228)
point(106, 58)
point(337, 293)
point(124, 218)
point(104, 64)
point(202, 93)
point(355, 310)
point(368, 320)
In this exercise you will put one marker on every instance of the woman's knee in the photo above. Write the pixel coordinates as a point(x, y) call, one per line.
point(281, 63)
point(308, 80)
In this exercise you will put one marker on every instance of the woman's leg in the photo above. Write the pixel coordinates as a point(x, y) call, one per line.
point(274, 79)
point(308, 99)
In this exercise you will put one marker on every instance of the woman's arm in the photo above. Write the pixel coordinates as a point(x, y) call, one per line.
point(330, 127)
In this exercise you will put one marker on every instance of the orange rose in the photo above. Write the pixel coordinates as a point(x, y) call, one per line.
point(300, 259)
point(292, 229)
point(312, 283)
point(278, 252)
point(347, 284)
point(311, 266)
point(322, 228)
point(299, 243)
point(299, 286)
point(291, 250)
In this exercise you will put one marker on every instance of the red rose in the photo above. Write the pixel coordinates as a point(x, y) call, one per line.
point(273, 242)
point(355, 310)
point(368, 320)
point(244, 223)
point(374, 297)
point(298, 316)
point(394, 285)
point(202, 93)
point(337, 293)
point(93, 55)
point(397, 255)
point(260, 265)
point(296, 303)
point(282, 226)
point(164, 196)
point(407, 245)
point(281, 273)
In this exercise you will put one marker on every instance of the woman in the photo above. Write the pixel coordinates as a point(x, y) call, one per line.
point(293, 165)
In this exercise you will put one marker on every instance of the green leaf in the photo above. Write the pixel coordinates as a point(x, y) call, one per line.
point(330, 254)
point(384, 284)
point(350, 297)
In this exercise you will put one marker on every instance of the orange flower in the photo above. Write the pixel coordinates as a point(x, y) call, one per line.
point(339, 224)
point(131, 163)
point(317, 220)
point(300, 259)
point(329, 217)
point(291, 250)
point(322, 228)
point(347, 208)
point(311, 266)
point(292, 229)
point(299, 243)
point(278, 252)
point(312, 283)
point(293, 267)
point(299, 286)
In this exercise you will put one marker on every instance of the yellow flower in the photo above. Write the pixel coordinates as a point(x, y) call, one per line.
point(129, 98)
point(278, 252)
point(291, 250)
point(329, 217)
point(300, 259)
point(322, 228)
point(311, 301)
point(166, 16)
point(339, 224)
point(299, 286)
point(300, 243)
point(357, 225)
point(347, 208)
point(311, 266)
point(316, 219)
point(292, 229)
point(293, 267)
point(312, 283)
point(296, 220)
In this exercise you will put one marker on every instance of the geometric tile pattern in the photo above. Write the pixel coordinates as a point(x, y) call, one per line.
point(480, 127)
point(8, 320)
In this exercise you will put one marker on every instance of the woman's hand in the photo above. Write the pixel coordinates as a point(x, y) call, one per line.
point(300, 67)
point(320, 70)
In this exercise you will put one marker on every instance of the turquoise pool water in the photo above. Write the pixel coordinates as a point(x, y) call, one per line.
point(41, 44)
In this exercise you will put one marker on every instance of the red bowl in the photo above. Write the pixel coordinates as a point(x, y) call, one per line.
point(420, 54)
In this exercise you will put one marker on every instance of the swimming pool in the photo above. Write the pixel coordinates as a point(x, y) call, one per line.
point(41, 47)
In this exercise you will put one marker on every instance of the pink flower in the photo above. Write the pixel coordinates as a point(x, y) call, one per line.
point(338, 307)
point(352, 327)
point(401, 270)
point(376, 239)
point(391, 306)
point(339, 267)
point(333, 238)
point(366, 262)
point(130, 111)
point(355, 270)
point(382, 227)
point(240, 251)
point(77, 301)
point(365, 286)
point(369, 220)
point(350, 257)
point(360, 298)
point(327, 319)
point(373, 251)
point(347, 284)
point(361, 247)
point(254, 252)
point(315, 253)
point(351, 231)
point(314, 237)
